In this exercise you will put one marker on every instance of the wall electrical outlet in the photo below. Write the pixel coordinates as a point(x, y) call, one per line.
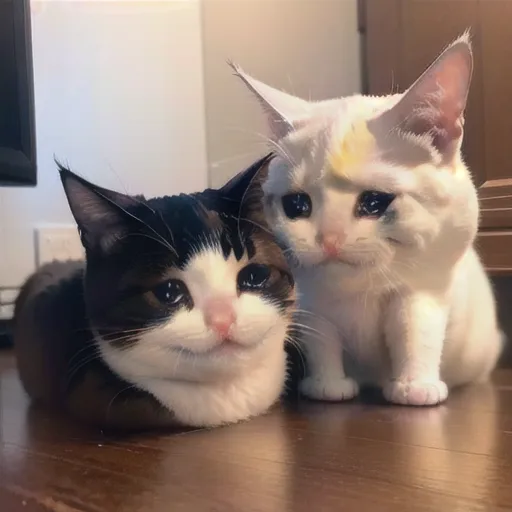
point(57, 243)
point(7, 300)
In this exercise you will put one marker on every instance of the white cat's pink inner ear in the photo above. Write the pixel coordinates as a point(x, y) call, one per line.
point(446, 84)
point(435, 103)
point(282, 109)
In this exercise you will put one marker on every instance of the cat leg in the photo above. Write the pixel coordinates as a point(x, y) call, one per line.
point(415, 330)
point(326, 378)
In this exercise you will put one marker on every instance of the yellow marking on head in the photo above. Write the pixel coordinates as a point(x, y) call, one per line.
point(350, 152)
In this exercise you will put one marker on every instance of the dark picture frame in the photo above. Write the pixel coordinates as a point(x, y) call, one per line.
point(18, 165)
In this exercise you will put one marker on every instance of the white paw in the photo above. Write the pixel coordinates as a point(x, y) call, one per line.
point(332, 390)
point(416, 392)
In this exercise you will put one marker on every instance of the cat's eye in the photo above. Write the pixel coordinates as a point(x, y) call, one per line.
point(372, 203)
point(253, 277)
point(172, 293)
point(297, 205)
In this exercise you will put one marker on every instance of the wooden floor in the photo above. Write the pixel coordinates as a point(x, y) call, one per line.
point(307, 457)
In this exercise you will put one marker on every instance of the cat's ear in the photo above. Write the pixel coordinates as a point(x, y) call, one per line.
point(283, 110)
point(100, 214)
point(248, 180)
point(434, 105)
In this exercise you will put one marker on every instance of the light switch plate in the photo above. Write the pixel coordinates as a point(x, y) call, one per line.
point(57, 243)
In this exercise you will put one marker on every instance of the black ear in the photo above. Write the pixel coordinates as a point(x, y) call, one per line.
point(246, 181)
point(101, 214)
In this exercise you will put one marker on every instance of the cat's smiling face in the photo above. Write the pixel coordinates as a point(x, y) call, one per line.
point(191, 288)
point(216, 315)
point(375, 186)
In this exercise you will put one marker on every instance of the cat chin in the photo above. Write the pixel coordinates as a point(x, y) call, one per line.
point(215, 390)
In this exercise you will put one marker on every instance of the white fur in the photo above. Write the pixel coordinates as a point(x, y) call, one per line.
point(416, 315)
point(184, 366)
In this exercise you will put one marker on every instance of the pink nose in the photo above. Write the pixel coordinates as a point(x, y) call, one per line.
point(331, 244)
point(219, 316)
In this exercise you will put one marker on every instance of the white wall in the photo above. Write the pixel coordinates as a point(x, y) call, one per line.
point(307, 47)
point(119, 96)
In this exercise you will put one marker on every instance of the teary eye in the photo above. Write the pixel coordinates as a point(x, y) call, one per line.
point(297, 205)
point(172, 293)
point(253, 277)
point(372, 203)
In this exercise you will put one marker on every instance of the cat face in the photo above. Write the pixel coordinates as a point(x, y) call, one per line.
point(189, 287)
point(374, 185)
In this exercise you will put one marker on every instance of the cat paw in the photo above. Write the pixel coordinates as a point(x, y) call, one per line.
point(415, 392)
point(331, 390)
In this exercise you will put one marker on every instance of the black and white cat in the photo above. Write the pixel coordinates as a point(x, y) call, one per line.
point(179, 315)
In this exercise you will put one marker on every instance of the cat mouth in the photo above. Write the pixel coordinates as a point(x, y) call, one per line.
point(354, 264)
point(342, 261)
point(228, 347)
point(223, 348)
point(349, 263)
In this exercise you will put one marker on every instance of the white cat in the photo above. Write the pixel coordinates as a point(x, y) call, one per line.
point(379, 212)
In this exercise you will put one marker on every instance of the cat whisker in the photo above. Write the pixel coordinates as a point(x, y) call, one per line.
point(268, 140)
point(72, 371)
point(300, 350)
point(296, 343)
point(365, 296)
point(311, 313)
point(118, 339)
point(178, 357)
point(263, 228)
point(164, 242)
point(306, 329)
point(81, 351)
point(111, 403)
point(161, 241)
point(111, 335)
point(168, 228)
point(75, 366)
point(386, 277)
point(281, 151)
point(408, 265)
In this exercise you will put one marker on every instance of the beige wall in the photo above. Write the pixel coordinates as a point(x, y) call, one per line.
point(306, 47)
point(119, 96)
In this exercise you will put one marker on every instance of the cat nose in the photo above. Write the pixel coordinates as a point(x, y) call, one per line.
point(331, 244)
point(219, 316)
